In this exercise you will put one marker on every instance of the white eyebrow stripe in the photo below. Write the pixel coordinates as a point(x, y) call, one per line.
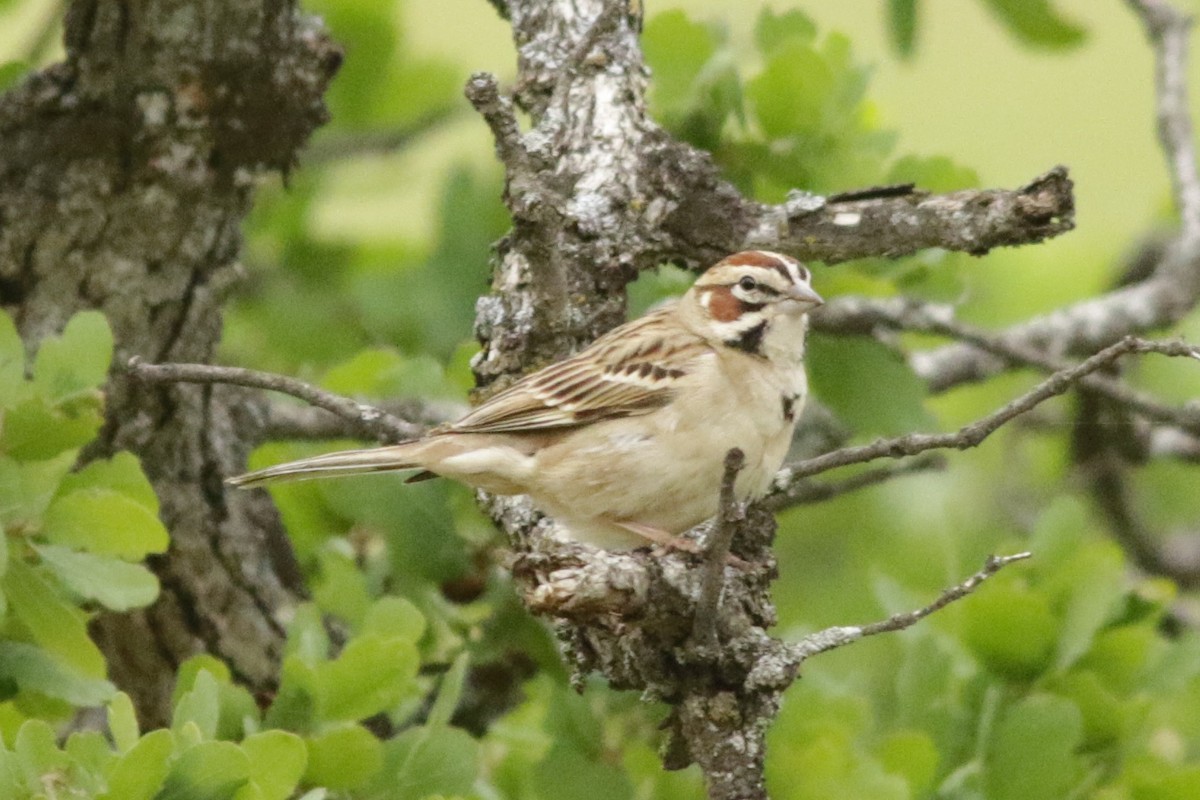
point(793, 266)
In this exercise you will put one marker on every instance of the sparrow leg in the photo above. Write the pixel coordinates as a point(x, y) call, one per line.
point(670, 542)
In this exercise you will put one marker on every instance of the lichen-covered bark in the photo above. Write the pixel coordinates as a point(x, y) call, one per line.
point(125, 172)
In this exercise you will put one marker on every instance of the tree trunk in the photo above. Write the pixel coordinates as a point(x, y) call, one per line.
point(125, 172)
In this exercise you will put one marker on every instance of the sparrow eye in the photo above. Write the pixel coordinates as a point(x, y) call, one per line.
point(747, 283)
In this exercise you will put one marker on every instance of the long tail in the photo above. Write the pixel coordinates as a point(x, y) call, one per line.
point(346, 462)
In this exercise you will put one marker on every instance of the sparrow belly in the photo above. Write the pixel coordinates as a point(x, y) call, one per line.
point(662, 470)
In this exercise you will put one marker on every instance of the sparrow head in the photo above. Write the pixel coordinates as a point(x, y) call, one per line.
point(748, 296)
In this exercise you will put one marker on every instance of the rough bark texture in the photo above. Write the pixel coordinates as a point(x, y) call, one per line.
point(124, 175)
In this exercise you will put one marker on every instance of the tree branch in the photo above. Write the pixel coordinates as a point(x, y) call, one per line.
point(786, 493)
point(285, 420)
point(972, 221)
point(973, 434)
point(370, 421)
point(859, 315)
point(730, 513)
point(835, 637)
point(1168, 30)
point(1158, 302)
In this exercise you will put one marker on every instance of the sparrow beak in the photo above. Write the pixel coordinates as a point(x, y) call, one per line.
point(805, 295)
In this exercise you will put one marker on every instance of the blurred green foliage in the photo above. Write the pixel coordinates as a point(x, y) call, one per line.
point(1063, 678)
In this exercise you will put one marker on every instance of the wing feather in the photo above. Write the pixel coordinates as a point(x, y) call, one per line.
point(632, 370)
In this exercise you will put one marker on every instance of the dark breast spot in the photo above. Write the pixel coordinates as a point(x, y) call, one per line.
point(750, 340)
point(789, 406)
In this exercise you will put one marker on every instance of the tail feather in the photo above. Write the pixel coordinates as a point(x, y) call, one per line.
point(347, 462)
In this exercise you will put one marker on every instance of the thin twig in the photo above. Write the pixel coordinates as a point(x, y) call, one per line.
point(973, 434)
point(832, 638)
point(1163, 299)
point(803, 492)
point(861, 315)
point(1168, 30)
point(287, 420)
point(370, 420)
point(729, 514)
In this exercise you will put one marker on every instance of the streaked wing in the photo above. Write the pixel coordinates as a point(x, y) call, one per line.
point(631, 370)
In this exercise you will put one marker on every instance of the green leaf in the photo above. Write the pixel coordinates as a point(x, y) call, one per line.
point(799, 73)
point(341, 588)
point(52, 622)
point(105, 522)
point(201, 706)
point(76, 362)
point(1085, 577)
point(277, 762)
point(1104, 714)
point(429, 761)
point(208, 771)
point(141, 771)
point(841, 372)
point(1093, 583)
point(902, 25)
point(911, 754)
point(773, 31)
point(343, 758)
point(394, 616)
point(34, 431)
point(37, 752)
point(111, 582)
point(92, 758)
point(34, 670)
point(189, 671)
point(1032, 755)
point(677, 48)
point(307, 638)
point(449, 693)
point(1119, 655)
point(27, 488)
point(121, 473)
point(1037, 23)
point(12, 358)
point(295, 705)
point(122, 722)
point(1011, 629)
point(372, 674)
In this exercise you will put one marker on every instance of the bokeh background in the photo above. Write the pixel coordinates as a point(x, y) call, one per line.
point(1071, 676)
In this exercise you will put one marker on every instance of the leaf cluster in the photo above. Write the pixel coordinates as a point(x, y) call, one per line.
point(71, 541)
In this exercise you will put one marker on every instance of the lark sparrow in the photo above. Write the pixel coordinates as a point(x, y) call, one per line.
point(623, 444)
